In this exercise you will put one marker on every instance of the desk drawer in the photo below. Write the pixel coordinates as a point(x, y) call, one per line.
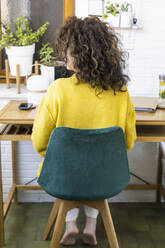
point(149, 133)
point(16, 132)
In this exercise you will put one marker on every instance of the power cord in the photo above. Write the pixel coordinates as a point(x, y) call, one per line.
point(141, 179)
point(35, 178)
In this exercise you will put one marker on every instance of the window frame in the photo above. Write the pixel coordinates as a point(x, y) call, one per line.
point(68, 9)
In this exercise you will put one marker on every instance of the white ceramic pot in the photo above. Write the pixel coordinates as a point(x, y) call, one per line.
point(113, 21)
point(125, 21)
point(22, 55)
point(48, 72)
point(37, 86)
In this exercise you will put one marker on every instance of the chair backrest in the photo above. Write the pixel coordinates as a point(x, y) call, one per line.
point(85, 164)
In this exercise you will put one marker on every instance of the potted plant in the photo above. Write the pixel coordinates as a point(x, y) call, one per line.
point(126, 15)
point(48, 61)
point(50, 66)
point(112, 14)
point(20, 45)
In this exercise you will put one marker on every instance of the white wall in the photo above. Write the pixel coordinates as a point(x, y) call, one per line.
point(146, 62)
point(146, 47)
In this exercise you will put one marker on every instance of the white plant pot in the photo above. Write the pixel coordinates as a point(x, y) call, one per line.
point(113, 21)
point(22, 55)
point(125, 21)
point(37, 86)
point(48, 72)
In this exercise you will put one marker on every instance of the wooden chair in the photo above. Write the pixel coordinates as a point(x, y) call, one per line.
point(84, 166)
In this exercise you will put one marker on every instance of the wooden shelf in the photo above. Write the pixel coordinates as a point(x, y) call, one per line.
point(131, 28)
point(150, 133)
point(16, 132)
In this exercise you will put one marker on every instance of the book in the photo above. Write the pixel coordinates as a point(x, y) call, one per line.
point(145, 104)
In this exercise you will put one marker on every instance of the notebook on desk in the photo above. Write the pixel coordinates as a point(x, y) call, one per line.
point(145, 104)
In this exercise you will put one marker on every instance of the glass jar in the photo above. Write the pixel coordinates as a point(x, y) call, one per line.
point(161, 102)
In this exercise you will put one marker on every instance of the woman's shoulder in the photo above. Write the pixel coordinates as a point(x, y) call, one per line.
point(124, 88)
point(123, 95)
point(63, 82)
point(123, 92)
point(59, 86)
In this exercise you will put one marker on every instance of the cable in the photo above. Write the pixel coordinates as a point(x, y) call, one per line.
point(141, 179)
point(31, 181)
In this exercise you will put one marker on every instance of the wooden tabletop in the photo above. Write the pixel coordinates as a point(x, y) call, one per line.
point(150, 126)
point(10, 114)
point(151, 118)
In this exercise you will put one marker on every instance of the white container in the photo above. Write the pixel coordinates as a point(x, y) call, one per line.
point(22, 55)
point(125, 19)
point(36, 86)
point(48, 72)
point(114, 21)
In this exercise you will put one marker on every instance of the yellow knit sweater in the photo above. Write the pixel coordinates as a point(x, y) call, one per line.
point(78, 106)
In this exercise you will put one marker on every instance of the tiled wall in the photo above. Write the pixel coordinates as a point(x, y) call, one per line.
point(147, 59)
point(146, 62)
point(146, 47)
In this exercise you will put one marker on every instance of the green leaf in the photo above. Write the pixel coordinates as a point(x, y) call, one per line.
point(23, 34)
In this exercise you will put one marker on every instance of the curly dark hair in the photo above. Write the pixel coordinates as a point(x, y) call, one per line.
point(98, 59)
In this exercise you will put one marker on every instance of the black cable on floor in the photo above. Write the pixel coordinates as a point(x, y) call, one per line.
point(141, 179)
point(31, 181)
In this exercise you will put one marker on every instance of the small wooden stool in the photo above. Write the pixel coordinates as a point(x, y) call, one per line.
point(18, 77)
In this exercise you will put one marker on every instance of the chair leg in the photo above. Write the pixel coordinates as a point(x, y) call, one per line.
point(63, 209)
point(103, 207)
point(108, 224)
point(51, 219)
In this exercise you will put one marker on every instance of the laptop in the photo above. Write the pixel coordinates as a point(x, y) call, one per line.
point(145, 104)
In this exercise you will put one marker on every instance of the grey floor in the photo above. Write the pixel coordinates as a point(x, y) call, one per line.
point(138, 225)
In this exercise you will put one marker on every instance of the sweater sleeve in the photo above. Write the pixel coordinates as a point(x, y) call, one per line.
point(130, 130)
point(45, 120)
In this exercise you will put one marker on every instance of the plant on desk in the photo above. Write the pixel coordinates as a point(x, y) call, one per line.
point(47, 55)
point(20, 45)
point(162, 94)
point(51, 67)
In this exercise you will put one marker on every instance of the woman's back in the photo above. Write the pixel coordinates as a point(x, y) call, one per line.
point(80, 107)
point(96, 95)
point(77, 105)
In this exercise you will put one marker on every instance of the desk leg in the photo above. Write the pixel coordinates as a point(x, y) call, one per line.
point(2, 238)
point(14, 169)
point(159, 175)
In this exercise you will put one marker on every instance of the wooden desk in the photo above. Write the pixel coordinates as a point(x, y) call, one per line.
point(18, 127)
point(10, 114)
point(13, 120)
